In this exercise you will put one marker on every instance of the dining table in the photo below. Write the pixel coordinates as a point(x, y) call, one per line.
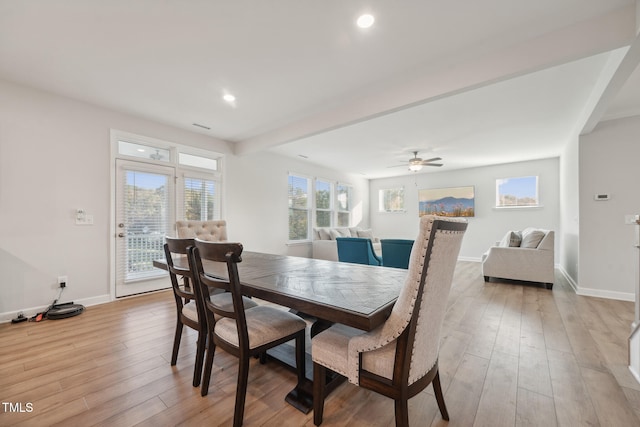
point(327, 292)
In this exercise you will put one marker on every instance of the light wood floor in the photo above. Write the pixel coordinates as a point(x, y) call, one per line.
point(511, 355)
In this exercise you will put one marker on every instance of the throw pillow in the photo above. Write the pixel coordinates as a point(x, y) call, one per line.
point(531, 238)
point(337, 232)
point(515, 239)
point(324, 234)
point(365, 234)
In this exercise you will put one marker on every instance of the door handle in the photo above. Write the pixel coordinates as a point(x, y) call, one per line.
point(121, 234)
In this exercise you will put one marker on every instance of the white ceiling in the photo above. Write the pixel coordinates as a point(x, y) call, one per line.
point(472, 82)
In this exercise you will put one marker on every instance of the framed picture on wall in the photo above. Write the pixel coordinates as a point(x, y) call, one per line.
point(451, 201)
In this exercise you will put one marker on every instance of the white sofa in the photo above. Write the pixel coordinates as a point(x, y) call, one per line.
point(326, 247)
point(526, 255)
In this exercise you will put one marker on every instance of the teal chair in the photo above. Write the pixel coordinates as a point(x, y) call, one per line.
point(357, 250)
point(396, 252)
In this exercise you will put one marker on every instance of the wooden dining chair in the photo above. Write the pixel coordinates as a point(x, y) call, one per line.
point(399, 358)
point(244, 334)
point(189, 308)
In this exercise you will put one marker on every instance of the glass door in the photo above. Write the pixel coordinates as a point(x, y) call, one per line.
point(145, 214)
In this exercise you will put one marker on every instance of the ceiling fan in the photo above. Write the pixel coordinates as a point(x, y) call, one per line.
point(416, 163)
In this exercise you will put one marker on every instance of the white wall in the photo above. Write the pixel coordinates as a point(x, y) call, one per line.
point(489, 224)
point(256, 205)
point(568, 235)
point(55, 158)
point(609, 164)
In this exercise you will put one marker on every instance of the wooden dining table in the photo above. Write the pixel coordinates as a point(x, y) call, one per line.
point(360, 296)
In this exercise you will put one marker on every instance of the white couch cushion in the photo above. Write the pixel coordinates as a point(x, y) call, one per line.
point(365, 234)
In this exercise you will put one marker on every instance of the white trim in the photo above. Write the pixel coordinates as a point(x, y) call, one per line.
point(599, 293)
point(32, 311)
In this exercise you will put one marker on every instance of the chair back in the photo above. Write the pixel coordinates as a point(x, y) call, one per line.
point(357, 250)
point(416, 318)
point(396, 252)
point(177, 248)
point(229, 254)
point(211, 231)
point(426, 290)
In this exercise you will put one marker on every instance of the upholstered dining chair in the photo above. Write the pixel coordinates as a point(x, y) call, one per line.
point(396, 252)
point(212, 231)
point(189, 310)
point(244, 334)
point(357, 250)
point(399, 358)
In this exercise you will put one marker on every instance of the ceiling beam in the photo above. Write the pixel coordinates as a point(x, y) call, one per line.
point(601, 34)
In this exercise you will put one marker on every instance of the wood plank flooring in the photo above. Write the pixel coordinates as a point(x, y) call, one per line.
point(510, 355)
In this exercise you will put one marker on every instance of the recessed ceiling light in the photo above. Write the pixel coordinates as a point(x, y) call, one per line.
point(228, 97)
point(141, 150)
point(365, 21)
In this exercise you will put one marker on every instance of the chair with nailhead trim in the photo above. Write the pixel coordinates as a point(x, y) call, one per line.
point(398, 359)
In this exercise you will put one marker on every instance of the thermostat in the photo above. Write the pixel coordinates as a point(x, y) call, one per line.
point(601, 197)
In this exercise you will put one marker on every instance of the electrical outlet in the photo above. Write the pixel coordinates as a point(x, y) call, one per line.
point(62, 281)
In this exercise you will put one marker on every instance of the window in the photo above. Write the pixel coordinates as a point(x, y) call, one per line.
point(201, 199)
point(155, 183)
point(517, 192)
point(343, 198)
point(391, 200)
point(324, 203)
point(299, 209)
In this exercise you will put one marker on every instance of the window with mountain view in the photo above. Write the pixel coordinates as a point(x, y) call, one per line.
point(517, 192)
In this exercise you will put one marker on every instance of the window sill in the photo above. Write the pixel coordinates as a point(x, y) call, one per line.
point(392, 212)
point(298, 242)
point(517, 208)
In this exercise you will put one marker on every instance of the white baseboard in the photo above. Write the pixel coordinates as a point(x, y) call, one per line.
point(599, 293)
point(32, 311)
point(569, 279)
point(470, 259)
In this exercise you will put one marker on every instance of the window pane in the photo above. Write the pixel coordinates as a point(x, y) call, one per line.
point(323, 195)
point(343, 219)
point(143, 151)
point(391, 200)
point(520, 191)
point(323, 218)
point(197, 161)
point(200, 200)
point(344, 197)
point(146, 206)
point(298, 188)
point(298, 224)
point(299, 208)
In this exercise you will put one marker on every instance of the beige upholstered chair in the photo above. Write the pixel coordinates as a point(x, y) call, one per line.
point(526, 256)
point(189, 307)
point(400, 358)
point(244, 334)
point(211, 231)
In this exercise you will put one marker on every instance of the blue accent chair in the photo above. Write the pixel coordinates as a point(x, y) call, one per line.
point(357, 250)
point(396, 252)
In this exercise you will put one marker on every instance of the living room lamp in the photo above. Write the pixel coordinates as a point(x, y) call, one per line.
point(414, 166)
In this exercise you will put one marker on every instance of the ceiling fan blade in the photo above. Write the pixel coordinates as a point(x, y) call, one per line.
point(397, 166)
point(432, 164)
point(434, 159)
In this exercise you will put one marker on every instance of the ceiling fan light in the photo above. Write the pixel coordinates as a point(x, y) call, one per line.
point(415, 167)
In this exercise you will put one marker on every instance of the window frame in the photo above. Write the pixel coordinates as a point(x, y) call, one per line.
point(331, 209)
point(382, 198)
point(309, 208)
point(349, 210)
point(502, 181)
